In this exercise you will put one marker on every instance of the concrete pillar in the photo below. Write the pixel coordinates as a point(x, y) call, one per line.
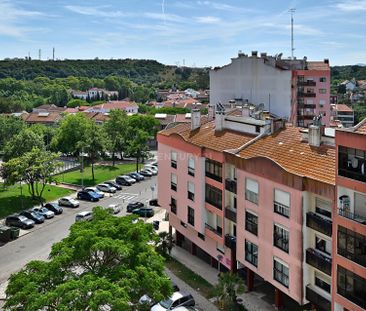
point(179, 238)
point(278, 299)
point(250, 280)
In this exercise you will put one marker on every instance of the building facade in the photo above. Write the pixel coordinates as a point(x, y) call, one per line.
point(349, 226)
point(297, 90)
point(253, 194)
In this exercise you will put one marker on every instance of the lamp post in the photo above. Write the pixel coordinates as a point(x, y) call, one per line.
point(82, 167)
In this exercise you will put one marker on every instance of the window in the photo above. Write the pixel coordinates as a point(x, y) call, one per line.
point(213, 196)
point(213, 170)
point(251, 223)
point(190, 188)
point(323, 207)
point(322, 103)
point(257, 129)
point(351, 163)
point(281, 238)
point(191, 216)
point(201, 236)
point(280, 272)
point(173, 159)
point(352, 245)
point(251, 190)
point(220, 248)
point(322, 282)
point(309, 102)
point(351, 286)
point(322, 91)
point(173, 182)
point(282, 203)
point(322, 79)
point(191, 166)
point(251, 253)
point(173, 205)
point(323, 245)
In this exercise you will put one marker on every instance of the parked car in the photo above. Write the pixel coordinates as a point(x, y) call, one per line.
point(154, 202)
point(113, 184)
point(154, 163)
point(84, 216)
point(144, 211)
point(106, 188)
point(151, 168)
point(115, 208)
point(187, 308)
point(36, 217)
point(54, 207)
point(178, 299)
point(88, 196)
point(95, 190)
point(19, 221)
point(125, 180)
point(133, 205)
point(145, 173)
point(151, 171)
point(44, 211)
point(136, 176)
point(68, 201)
point(145, 299)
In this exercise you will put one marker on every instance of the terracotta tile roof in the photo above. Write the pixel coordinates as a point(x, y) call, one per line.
point(101, 117)
point(287, 150)
point(318, 65)
point(111, 105)
point(206, 136)
point(343, 107)
point(71, 110)
point(360, 128)
point(43, 117)
point(168, 119)
point(181, 117)
point(49, 108)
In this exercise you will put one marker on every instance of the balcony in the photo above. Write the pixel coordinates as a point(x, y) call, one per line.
point(217, 230)
point(319, 261)
point(350, 173)
point(306, 83)
point(230, 185)
point(355, 217)
point(230, 241)
point(305, 116)
point(319, 301)
point(214, 176)
point(319, 223)
point(230, 214)
point(306, 94)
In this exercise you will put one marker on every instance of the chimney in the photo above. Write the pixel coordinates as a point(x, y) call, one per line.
point(326, 61)
point(219, 117)
point(314, 135)
point(254, 53)
point(211, 112)
point(245, 112)
point(195, 119)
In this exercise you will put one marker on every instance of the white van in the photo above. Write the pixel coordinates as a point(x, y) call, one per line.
point(84, 216)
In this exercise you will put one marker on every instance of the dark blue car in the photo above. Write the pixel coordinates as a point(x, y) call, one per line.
point(88, 196)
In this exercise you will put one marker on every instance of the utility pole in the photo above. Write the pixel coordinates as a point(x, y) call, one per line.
point(39, 54)
point(82, 167)
point(292, 11)
point(53, 54)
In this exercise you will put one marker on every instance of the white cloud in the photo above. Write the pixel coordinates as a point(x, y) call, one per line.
point(165, 17)
point(208, 20)
point(102, 11)
point(217, 5)
point(351, 5)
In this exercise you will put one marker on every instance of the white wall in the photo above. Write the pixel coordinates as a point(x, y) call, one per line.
point(249, 78)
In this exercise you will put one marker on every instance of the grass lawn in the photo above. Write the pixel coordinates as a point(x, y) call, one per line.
point(101, 172)
point(191, 278)
point(11, 200)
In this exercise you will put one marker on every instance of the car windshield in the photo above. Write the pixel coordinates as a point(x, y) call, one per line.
point(22, 218)
point(44, 210)
point(166, 303)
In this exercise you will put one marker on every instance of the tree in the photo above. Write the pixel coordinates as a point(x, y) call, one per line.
point(76, 102)
point(228, 287)
point(105, 264)
point(115, 128)
point(35, 168)
point(146, 123)
point(137, 144)
point(9, 126)
point(21, 143)
point(165, 243)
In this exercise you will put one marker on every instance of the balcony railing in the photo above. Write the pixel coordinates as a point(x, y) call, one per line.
point(230, 241)
point(217, 230)
point(319, 301)
point(306, 94)
point(306, 83)
point(319, 223)
point(230, 185)
point(357, 175)
point(319, 261)
point(230, 214)
point(357, 258)
point(213, 176)
point(358, 218)
point(281, 209)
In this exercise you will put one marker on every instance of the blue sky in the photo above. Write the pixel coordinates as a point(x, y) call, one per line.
point(203, 33)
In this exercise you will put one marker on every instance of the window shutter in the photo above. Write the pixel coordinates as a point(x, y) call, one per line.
point(191, 187)
point(252, 185)
point(282, 197)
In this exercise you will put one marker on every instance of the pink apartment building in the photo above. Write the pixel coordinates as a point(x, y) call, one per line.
point(253, 194)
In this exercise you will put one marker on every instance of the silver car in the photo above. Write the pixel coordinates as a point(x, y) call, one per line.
point(106, 188)
point(68, 201)
point(178, 299)
point(45, 212)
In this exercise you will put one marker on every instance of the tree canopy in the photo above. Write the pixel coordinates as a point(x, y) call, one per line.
point(105, 264)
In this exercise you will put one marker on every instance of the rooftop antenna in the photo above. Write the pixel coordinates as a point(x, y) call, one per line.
point(53, 54)
point(292, 11)
point(39, 54)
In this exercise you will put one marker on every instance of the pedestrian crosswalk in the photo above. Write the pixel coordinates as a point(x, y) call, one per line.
point(126, 197)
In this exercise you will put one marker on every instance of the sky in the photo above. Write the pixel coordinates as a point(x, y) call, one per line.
point(183, 32)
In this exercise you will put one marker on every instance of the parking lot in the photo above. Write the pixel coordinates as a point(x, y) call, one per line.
point(36, 243)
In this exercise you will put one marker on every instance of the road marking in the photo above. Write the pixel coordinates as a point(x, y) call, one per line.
point(126, 196)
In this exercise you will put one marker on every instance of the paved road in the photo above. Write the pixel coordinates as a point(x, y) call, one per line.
point(37, 243)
